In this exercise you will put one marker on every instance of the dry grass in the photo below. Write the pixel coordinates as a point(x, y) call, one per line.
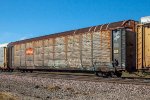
point(53, 88)
point(136, 74)
point(7, 96)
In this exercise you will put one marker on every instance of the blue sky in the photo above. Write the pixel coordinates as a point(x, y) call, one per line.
point(21, 19)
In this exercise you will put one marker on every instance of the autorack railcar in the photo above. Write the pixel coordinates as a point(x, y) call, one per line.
point(108, 48)
point(143, 44)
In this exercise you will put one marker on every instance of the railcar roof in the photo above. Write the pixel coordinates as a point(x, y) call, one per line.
point(108, 26)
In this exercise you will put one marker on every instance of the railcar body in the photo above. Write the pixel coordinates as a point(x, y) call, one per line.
point(3, 56)
point(143, 47)
point(102, 48)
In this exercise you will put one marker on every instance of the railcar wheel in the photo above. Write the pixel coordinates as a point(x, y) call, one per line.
point(11, 70)
point(111, 74)
point(22, 71)
point(107, 74)
point(31, 71)
point(99, 74)
point(26, 71)
point(118, 74)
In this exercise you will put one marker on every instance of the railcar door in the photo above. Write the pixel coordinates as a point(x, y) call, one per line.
point(119, 49)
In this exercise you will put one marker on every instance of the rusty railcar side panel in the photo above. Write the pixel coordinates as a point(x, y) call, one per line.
point(73, 51)
point(22, 53)
point(59, 52)
point(86, 51)
point(38, 53)
point(143, 47)
point(17, 55)
point(29, 57)
point(47, 53)
point(102, 49)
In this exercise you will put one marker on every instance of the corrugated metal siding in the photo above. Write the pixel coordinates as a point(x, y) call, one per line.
point(48, 52)
point(38, 53)
point(102, 48)
point(1, 57)
point(59, 52)
point(22, 52)
point(29, 58)
point(86, 50)
point(17, 55)
point(72, 51)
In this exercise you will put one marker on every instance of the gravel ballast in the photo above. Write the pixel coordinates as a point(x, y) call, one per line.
point(38, 88)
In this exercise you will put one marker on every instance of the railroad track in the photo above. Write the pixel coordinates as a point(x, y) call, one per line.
point(83, 77)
